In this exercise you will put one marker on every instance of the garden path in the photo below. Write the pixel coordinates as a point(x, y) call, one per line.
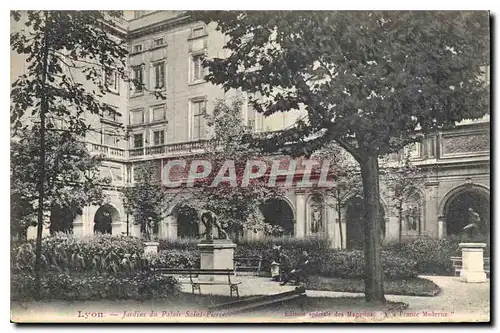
point(457, 300)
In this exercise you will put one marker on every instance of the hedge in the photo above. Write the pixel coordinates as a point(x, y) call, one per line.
point(64, 253)
point(87, 286)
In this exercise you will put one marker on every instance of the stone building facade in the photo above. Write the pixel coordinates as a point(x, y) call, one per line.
point(165, 49)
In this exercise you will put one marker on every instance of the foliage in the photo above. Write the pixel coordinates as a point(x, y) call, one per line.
point(99, 254)
point(350, 265)
point(347, 177)
point(146, 199)
point(71, 175)
point(58, 67)
point(175, 259)
point(432, 255)
point(236, 206)
point(181, 244)
point(71, 286)
point(403, 181)
point(355, 73)
point(367, 80)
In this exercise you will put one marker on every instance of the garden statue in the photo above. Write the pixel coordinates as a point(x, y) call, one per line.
point(316, 223)
point(472, 230)
point(209, 220)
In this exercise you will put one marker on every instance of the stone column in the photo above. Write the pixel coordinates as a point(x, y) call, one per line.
point(331, 224)
point(300, 223)
point(441, 227)
point(116, 227)
point(472, 262)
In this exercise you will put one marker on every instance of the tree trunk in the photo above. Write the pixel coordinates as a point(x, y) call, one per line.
point(339, 214)
point(44, 108)
point(374, 284)
point(400, 216)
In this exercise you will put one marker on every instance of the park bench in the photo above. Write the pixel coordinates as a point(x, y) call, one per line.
point(248, 264)
point(458, 265)
point(196, 282)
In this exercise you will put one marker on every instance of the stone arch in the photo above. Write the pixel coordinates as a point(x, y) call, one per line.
point(104, 217)
point(478, 187)
point(279, 211)
point(456, 203)
point(186, 219)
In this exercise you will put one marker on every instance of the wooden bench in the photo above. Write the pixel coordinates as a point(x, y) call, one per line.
point(248, 264)
point(458, 265)
point(195, 281)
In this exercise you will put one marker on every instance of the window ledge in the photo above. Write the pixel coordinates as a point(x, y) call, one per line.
point(136, 125)
point(205, 34)
point(152, 48)
point(156, 122)
point(137, 94)
point(195, 83)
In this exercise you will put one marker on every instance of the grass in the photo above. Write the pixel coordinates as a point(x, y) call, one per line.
point(409, 287)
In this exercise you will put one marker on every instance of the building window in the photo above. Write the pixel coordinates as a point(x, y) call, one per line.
point(197, 68)
point(138, 140)
point(139, 13)
point(110, 139)
point(198, 111)
point(158, 113)
point(198, 32)
point(138, 78)
point(136, 117)
point(138, 48)
point(111, 80)
point(158, 137)
point(158, 42)
point(159, 75)
point(112, 115)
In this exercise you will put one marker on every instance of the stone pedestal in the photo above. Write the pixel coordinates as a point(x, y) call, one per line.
point(216, 254)
point(151, 247)
point(472, 262)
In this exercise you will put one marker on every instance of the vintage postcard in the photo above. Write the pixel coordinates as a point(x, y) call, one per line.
point(250, 166)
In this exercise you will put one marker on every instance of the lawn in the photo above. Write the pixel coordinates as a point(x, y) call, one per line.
point(409, 287)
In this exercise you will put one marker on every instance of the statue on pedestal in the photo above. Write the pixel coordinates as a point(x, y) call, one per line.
point(472, 229)
point(209, 220)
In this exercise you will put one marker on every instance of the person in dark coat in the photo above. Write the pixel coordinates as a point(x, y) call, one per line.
point(285, 267)
point(298, 274)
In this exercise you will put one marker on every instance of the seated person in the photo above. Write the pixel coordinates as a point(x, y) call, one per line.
point(275, 263)
point(299, 273)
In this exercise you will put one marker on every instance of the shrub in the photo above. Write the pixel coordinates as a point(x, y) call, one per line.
point(64, 253)
point(65, 286)
point(432, 256)
point(175, 259)
point(350, 265)
point(190, 244)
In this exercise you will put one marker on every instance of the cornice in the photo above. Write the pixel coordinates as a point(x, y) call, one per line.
point(159, 26)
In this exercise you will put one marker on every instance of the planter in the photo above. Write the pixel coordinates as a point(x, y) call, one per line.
point(151, 247)
point(473, 263)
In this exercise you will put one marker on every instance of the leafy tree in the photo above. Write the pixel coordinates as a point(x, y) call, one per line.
point(236, 206)
point(347, 177)
point(403, 181)
point(147, 199)
point(67, 53)
point(71, 174)
point(367, 80)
